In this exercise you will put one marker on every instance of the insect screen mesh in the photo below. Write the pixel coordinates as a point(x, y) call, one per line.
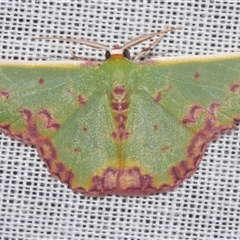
point(33, 205)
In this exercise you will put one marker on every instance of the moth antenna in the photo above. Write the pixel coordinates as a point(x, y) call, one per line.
point(145, 37)
point(151, 46)
point(88, 43)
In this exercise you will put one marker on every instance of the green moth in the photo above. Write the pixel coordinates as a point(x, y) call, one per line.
point(121, 127)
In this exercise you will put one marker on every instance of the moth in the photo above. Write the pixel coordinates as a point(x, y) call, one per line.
point(124, 126)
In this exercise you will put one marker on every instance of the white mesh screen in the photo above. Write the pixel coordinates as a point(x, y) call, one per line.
point(33, 205)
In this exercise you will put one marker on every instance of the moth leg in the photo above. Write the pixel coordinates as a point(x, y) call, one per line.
point(82, 59)
point(74, 55)
point(165, 30)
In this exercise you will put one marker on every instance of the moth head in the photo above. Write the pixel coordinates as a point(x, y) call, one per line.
point(117, 50)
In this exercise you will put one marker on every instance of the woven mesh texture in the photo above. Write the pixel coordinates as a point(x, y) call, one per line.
point(33, 205)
